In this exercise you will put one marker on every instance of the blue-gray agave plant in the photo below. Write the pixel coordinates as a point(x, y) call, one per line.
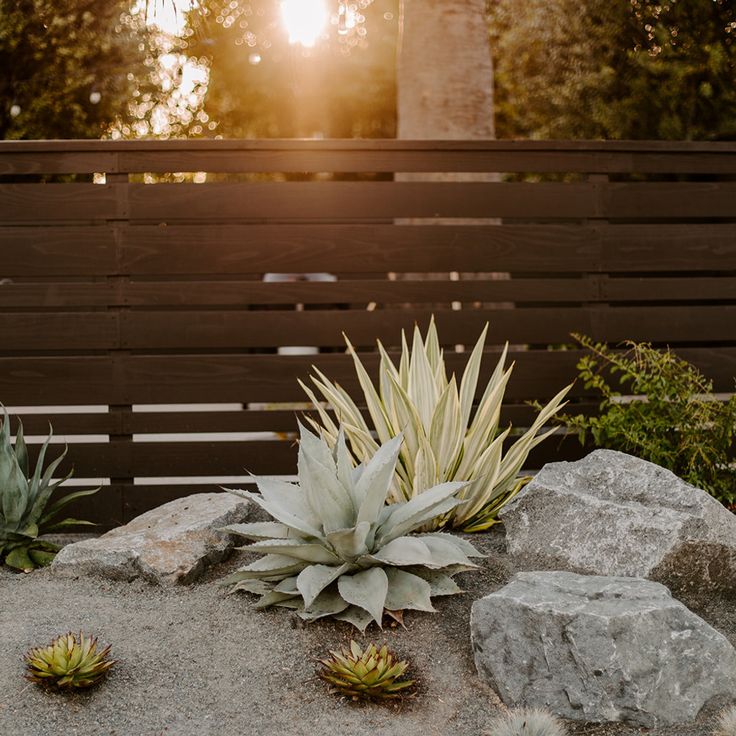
point(24, 515)
point(336, 549)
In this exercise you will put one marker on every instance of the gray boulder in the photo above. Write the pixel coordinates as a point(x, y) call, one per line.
point(614, 514)
point(171, 544)
point(599, 649)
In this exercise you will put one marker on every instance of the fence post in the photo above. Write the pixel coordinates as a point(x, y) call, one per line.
point(121, 413)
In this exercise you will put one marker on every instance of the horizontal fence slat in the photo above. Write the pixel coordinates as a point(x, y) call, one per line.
point(364, 201)
point(50, 202)
point(155, 379)
point(227, 329)
point(591, 288)
point(37, 157)
point(381, 200)
point(216, 249)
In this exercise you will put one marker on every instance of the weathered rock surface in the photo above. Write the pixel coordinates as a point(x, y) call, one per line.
point(614, 514)
point(171, 544)
point(594, 648)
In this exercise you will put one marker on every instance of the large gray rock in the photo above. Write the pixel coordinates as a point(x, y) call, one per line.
point(171, 544)
point(614, 514)
point(599, 649)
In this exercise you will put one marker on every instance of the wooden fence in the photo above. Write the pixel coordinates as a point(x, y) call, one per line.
point(137, 289)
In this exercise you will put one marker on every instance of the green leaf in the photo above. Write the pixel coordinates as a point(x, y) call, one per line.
point(19, 559)
point(374, 482)
point(367, 590)
point(358, 617)
point(297, 548)
point(314, 579)
point(406, 517)
point(260, 530)
point(407, 591)
point(57, 506)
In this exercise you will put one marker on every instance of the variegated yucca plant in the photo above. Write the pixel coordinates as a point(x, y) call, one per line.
point(335, 547)
point(24, 497)
point(444, 438)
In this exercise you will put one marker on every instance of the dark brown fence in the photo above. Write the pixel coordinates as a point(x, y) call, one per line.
point(141, 290)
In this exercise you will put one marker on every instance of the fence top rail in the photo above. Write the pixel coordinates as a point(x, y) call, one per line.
point(348, 155)
point(366, 144)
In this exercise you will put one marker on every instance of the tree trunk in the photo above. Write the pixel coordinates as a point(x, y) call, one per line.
point(445, 73)
point(445, 91)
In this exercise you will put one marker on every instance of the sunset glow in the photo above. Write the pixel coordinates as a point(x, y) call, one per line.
point(304, 20)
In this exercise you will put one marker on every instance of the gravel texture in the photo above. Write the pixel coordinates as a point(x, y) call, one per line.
point(195, 661)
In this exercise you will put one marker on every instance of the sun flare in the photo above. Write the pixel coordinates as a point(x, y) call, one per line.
point(304, 20)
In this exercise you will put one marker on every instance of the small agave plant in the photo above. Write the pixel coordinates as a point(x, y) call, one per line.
point(24, 514)
point(527, 722)
point(68, 663)
point(445, 440)
point(365, 674)
point(336, 549)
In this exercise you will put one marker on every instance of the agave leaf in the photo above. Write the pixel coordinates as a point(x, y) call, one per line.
point(462, 544)
point(64, 523)
point(432, 346)
point(43, 493)
point(19, 559)
point(485, 475)
point(21, 450)
point(402, 551)
point(269, 566)
point(372, 399)
point(57, 506)
point(259, 587)
point(344, 464)
point(407, 591)
point(327, 603)
point(260, 530)
point(439, 583)
point(312, 580)
point(350, 543)
point(296, 548)
point(367, 590)
point(422, 387)
point(447, 430)
point(408, 516)
point(329, 499)
point(426, 468)
point(443, 553)
point(469, 382)
point(324, 416)
point(279, 511)
point(374, 483)
point(274, 597)
point(358, 617)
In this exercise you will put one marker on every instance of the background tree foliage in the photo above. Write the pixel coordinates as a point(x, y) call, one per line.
point(261, 86)
point(662, 69)
point(81, 68)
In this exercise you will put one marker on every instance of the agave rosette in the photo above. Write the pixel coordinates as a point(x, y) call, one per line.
point(335, 547)
point(365, 674)
point(444, 438)
point(24, 498)
point(69, 662)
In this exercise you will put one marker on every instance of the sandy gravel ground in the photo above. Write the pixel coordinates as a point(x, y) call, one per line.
point(195, 661)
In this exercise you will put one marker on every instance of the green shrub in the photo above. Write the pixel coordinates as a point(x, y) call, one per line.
point(663, 410)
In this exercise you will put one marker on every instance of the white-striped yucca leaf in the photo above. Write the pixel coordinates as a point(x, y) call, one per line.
point(444, 438)
point(334, 544)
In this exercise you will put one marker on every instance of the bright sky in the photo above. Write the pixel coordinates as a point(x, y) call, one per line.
point(304, 20)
